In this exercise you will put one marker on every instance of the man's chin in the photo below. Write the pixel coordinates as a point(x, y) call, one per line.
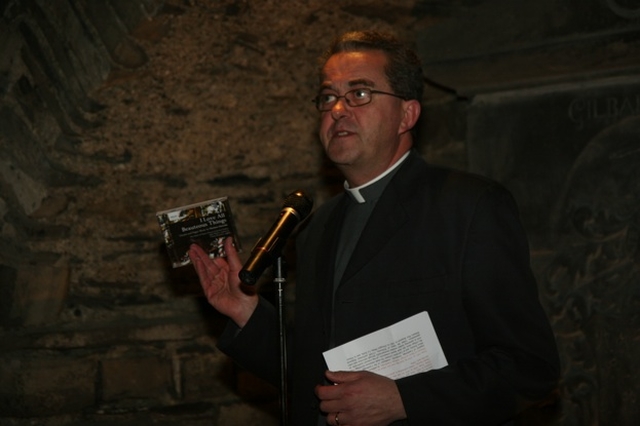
point(340, 162)
point(340, 156)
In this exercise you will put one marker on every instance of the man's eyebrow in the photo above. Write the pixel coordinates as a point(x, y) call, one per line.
point(353, 83)
point(361, 82)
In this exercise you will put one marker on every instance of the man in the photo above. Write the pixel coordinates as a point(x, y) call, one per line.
point(403, 238)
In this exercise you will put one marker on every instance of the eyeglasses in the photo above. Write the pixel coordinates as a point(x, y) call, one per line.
point(355, 98)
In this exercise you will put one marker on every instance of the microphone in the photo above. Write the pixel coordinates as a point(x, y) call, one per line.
point(295, 208)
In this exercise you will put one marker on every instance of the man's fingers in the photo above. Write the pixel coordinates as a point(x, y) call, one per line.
point(341, 376)
point(232, 254)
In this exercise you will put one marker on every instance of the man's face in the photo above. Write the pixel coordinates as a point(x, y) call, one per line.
point(362, 141)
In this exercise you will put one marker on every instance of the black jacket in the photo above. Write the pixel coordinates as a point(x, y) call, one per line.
point(444, 242)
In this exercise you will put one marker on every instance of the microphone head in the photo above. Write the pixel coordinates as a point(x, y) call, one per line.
point(300, 202)
point(296, 207)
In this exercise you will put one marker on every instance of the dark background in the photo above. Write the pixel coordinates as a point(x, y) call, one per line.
point(112, 110)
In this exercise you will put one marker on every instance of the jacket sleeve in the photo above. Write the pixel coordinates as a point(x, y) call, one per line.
point(516, 361)
point(255, 347)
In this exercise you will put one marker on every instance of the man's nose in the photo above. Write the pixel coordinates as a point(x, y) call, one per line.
point(341, 108)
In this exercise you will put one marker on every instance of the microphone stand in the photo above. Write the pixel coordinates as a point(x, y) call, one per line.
point(279, 279)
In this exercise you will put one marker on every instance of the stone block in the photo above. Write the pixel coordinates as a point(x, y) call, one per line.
point(38, 387)
point(586, 147)
point(28, 191)
point(39, 293)
point(143, 377)
point(248, 415)
point(206, 375)
point(8, 275)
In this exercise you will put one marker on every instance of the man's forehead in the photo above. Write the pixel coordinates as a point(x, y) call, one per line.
point(355, 68)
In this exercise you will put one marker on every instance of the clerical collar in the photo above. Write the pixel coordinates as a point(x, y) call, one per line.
point(360, 193)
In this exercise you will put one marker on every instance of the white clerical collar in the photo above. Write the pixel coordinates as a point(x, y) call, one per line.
point(356, 192)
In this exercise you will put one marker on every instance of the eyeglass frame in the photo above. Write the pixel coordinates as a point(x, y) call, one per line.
point(316, 100)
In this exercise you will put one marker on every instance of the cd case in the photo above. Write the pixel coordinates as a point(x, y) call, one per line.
point(207, 224)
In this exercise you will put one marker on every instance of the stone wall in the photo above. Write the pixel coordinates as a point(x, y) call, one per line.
point(113, 110)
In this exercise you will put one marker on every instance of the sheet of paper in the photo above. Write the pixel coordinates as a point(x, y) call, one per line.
point(403, 349)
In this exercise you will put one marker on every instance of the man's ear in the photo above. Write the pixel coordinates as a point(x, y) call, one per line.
point(412, 110)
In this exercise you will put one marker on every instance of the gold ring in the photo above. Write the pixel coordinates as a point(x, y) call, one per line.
point(337, 421)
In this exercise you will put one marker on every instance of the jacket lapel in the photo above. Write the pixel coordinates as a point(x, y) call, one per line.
point(326, 260)
point(388, 216)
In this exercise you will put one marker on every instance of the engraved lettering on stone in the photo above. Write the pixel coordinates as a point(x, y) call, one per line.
point(604, 110)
